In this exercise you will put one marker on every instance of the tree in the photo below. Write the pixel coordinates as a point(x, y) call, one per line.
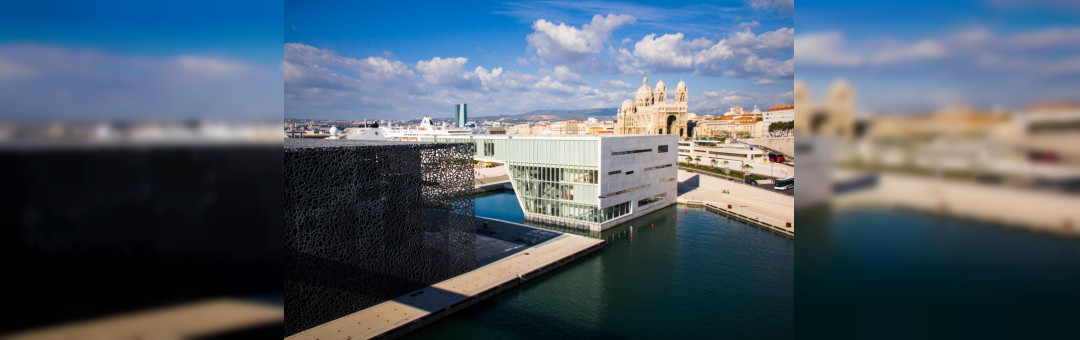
point(746, 170)
point(689, 159)
point(781, 126)
point(698, 159)
point(714, 163)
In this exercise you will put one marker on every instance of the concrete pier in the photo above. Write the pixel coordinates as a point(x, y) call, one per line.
point(421, 307)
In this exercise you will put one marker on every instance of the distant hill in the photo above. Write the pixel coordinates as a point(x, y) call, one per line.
point(556, 115)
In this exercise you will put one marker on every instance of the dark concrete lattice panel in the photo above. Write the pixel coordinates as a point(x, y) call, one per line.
point(366, 222)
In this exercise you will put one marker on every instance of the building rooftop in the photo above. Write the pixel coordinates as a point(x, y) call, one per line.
point(781, 107)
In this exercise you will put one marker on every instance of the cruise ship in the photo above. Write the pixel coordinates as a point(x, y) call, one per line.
point(425, 129)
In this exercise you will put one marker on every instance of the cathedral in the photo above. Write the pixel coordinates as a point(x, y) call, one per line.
point(652, 114)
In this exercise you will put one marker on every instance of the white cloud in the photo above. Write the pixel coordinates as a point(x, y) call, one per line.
point(743, 54)
point(448, 72)
point(550, 85)
point(569, 45)
point(564, 74)
point(668, 53)
point(616, 84)
point(522, 62)
point(749, 24)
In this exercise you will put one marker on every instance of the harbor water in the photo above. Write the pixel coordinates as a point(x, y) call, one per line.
point(697, 275)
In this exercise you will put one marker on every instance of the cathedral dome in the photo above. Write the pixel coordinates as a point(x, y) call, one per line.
point(681, 86)
point(626, 104)
point(644, 92)
point(660, 85)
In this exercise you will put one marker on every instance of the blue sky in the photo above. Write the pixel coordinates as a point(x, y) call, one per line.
point(89, 60)
point(403, 60)
point(915, 56)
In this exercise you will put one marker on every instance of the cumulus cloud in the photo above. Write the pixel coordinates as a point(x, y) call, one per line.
point(564, 74)
point(668, 53)
point(568, 45)
point(448, 72)
point(616, 84)
point(740, 55)
point(320, 83)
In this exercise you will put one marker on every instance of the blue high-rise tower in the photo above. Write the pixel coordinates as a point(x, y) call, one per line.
point(461, 115)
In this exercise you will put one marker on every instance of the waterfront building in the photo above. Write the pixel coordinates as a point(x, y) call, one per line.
point(589, 182)
point(742, 125)
point(568, 127)
point(780, 113)
point(461, 114)
point(522, 129)
point(734, 153)
point(651, 113)
point(540, 129)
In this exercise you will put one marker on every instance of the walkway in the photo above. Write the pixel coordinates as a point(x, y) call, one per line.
point(416, 309)
point(765, 206)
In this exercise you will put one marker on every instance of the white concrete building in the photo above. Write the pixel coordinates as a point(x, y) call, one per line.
point(781, 113)
point(590, 182)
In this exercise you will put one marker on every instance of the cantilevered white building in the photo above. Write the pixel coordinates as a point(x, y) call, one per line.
point(590, 182)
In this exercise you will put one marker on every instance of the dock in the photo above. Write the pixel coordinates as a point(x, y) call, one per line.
point(715, 207)
point(416, 309)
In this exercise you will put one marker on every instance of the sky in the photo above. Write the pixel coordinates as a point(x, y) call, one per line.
point(403, 60)
point(141, 60)
point(921, 56)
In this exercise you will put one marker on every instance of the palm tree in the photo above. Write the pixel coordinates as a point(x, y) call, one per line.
point(689, 159)
point(698, 159)
point(746, 170)
point(727, 170)
point(714, 163)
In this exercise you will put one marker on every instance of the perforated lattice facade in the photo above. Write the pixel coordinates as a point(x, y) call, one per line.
point(366, 222)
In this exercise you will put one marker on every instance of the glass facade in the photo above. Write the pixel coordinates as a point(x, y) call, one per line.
point(564, 191)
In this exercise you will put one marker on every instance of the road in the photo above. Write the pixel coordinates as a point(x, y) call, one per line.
point(765, 187)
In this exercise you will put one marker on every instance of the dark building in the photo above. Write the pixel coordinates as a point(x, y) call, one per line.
point(369, 221)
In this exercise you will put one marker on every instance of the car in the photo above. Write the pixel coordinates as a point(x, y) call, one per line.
point(750, 181)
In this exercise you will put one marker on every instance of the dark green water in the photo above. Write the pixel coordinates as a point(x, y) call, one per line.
point(699, 275)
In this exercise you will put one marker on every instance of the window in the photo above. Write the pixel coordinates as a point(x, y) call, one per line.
point(651, 200)
point(620, 192)
point(617, 153)
point(740, 155)
point(629, 172)
point(614, 172)
point(661, 149)
point(616, 211)
point(658, 167)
